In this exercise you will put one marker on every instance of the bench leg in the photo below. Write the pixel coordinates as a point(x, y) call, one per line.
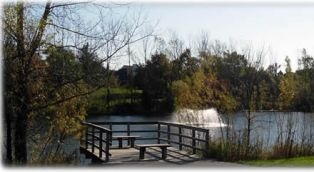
point(163, 152)
point(120, 142)
point(132, 142)
point(142, 152)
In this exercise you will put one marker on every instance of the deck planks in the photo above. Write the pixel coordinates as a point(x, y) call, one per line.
point(131, 155)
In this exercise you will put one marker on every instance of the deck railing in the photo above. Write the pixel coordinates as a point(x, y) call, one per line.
point(132, 128)
point(178, 135)
point(184, 136)
point(97, 137)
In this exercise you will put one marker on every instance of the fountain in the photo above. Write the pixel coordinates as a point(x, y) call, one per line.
point(207, 118)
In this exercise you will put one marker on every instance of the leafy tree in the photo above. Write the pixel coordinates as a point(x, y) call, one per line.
point(305, 76)
point(209, 63)
point(185, 65)
point(232, 69)
point(273, 79)
point(203, 91)
point(288, 91)
point(32, 28)
point(93, 71)
point(288, 88)
point(288, 65)
point(50, 127)
point(187, 92)
point(154, 80)
point(63, 67)
point(25, 49)
point(306, 61)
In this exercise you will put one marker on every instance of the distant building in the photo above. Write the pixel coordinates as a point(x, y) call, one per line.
point(126, 72)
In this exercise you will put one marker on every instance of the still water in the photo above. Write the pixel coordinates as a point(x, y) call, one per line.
point(267, 127)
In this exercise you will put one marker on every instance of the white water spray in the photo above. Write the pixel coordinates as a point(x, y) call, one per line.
point(207, 118)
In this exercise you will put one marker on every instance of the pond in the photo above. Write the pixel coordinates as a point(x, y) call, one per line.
point(267, 127)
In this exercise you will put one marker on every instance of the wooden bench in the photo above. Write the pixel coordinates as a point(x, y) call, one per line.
point(131, 140)
point(163, 148)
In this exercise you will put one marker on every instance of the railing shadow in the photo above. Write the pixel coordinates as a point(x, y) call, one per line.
point(176, 156)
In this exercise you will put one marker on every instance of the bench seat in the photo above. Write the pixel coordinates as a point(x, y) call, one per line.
point(163, 148)
point(131, 140)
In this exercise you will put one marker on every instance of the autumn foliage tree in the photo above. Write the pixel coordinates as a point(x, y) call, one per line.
point(52, 90)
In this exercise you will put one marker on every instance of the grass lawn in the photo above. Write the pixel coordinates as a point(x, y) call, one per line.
point(291, 162)
point(97, 101)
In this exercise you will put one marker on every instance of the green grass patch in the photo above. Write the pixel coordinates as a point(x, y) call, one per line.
point(307, 161)
point(119, 98)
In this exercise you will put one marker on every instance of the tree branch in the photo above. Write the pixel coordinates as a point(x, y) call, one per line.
point(64, 100)
point(40, 30)
point(73, 31)
point(69, 4)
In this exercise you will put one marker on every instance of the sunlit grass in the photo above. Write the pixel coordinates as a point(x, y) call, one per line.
point(97, 101)
point(307, 161)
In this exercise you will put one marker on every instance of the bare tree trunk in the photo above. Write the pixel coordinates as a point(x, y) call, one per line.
point(24, 68)
point(20, 134)
point(20, 125)
point(25, 49)
point(108, 89)
point(8, 138)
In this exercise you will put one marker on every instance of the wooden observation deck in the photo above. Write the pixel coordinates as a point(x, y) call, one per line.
point(109, 142)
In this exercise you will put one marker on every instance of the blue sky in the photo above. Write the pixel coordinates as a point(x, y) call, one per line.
point(284, 29)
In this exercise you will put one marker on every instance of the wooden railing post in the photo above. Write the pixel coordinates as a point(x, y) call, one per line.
point(193, 141)
point(180, 138)
point(207, 142)
point(97, 140)
point(158, 128)
point(128, 129)
point(86, 137)
point(100, 143)
point(110, 127)
point(108, 141)
point(168, 132)
point(128, 133)
point(93, 139)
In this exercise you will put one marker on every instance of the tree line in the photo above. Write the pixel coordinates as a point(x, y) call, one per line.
point(229, 81)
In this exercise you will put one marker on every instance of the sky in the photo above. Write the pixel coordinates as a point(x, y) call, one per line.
point(282, 29)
